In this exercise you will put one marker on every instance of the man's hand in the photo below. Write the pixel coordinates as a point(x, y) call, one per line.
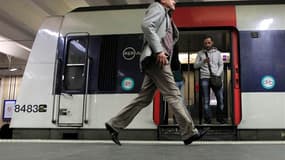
point(206, 60)
point(161, 59)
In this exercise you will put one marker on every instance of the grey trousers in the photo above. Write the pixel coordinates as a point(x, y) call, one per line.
point(161, 78)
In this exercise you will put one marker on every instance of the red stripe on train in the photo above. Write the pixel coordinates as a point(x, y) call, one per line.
point(205, 16)
point(156, 107)
point(237, 98)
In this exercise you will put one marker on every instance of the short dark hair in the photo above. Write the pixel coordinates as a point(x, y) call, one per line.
point(209, 36)
point(157, 0)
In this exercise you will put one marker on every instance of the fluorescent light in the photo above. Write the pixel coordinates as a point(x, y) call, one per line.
point(13, 69)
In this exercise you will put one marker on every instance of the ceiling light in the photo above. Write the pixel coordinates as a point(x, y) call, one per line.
point(13, 69)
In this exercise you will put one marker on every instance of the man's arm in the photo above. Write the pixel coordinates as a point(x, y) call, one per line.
point(151, 22)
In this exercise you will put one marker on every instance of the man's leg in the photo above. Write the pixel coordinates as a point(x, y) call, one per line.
point(206, 100)
point(163, 79)
point(220, 105)
point(127, 114)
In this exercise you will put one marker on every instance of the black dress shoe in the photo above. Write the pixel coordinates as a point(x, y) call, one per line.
point(196, 137)
point(114, 134)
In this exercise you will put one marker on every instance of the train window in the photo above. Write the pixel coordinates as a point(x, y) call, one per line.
point(76, 51)
point(73, 78)
point(108, 64)
point(75, 64)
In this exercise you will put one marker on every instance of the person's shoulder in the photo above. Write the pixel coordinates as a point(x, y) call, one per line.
point(156, 6)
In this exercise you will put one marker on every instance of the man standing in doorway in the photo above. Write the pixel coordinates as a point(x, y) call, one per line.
point(160, 35)
point(210, 62)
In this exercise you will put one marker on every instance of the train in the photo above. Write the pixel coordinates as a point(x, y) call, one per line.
point(84, 67)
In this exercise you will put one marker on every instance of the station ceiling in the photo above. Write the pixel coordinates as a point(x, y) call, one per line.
point(20, 20)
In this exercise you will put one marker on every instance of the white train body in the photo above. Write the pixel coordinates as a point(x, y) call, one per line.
point(44, 103)
point(38, 81)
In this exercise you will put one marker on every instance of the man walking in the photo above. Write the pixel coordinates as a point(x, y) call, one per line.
point(160, 35)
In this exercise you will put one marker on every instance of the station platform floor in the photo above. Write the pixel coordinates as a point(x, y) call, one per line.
point(140, 150)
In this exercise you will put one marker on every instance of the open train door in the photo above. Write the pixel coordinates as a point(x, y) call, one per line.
point(222, 23)
point(195, 22)
point(73, 70)
point(191, 42)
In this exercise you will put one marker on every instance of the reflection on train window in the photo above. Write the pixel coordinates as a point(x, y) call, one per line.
point(76, 51)
point(75, 65)
point(74, 78)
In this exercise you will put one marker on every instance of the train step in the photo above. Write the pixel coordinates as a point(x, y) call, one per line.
point(216, 133)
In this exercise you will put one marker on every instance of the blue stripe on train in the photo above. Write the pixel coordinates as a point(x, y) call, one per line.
point(262, 61)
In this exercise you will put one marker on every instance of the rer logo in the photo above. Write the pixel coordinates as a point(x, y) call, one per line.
point(127, 84)
point(129, 53)
point(268, 82)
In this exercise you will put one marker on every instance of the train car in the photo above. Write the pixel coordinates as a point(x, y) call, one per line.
point(83, 68)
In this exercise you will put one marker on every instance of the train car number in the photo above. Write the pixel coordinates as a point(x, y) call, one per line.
point(30, 108)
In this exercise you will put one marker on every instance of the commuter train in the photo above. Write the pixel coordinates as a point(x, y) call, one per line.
point(84, 67)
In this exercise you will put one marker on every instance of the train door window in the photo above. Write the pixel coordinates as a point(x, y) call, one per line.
point(189, 44)
point(75, 64)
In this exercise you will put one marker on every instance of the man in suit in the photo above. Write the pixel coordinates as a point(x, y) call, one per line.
point(160, 35)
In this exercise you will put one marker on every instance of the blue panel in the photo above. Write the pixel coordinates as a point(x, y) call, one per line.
point(94, 52)
point(128, 63)
point(262, 56)
point(126, 66)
